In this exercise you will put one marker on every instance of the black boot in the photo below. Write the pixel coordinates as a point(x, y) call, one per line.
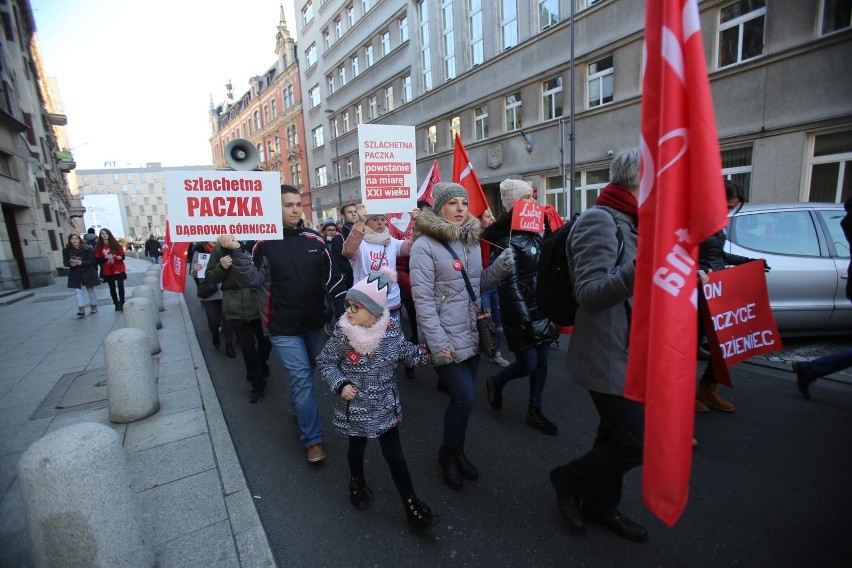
point(419, 514)
point(216, 342)
point(229, 350)
point(537, 420)
point(468, 470)
point(359, 493)
point(449, 460)
point(120, 306)
point(117, 306)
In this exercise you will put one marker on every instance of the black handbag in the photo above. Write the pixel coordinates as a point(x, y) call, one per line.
point(484, 324)
point(207, 289)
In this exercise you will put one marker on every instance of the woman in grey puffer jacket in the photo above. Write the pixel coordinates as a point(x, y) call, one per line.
point(446, 314)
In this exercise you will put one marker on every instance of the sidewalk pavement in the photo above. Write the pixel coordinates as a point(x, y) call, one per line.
point(193, 499)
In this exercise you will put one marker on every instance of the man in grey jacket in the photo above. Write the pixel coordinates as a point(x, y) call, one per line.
point(602, 264)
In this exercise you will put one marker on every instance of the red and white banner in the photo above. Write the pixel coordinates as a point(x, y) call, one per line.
point(389, 167)
point(681, 203)
point(401, 224)
point(465, 175)
point(738, 319)
point(528, 216)
point(175, 265)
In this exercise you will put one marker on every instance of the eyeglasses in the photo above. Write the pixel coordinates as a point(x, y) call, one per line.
point(352, 307)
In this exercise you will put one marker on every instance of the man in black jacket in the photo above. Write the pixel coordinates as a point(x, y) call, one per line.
point(294, 276)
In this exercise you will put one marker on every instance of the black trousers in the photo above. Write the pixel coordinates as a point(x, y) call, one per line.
point(391, 447)
point(597, 476)
point(255, 348)
point(213, 311)
point(116, 289)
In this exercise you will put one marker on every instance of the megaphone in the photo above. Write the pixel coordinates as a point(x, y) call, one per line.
point(241, 155)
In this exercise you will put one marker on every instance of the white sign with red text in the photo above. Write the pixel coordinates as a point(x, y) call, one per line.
point(205, 204)
point(388, 167)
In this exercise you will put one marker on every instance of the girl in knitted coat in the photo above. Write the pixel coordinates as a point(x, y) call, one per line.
point(359, 364)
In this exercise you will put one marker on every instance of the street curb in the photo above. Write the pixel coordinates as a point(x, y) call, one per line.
point(250, 538)
point(785, 366)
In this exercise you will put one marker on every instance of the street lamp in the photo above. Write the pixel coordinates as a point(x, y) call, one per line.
point(331, 111)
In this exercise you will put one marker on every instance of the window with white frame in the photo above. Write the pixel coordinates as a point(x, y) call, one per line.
point(311, 55)
point(368, 55)
point(307, 14)
point(554, 194)
point(330, 82)
point(372, 108)
point(512, 104)
point(600, 81)
point(296, 174)
point(359, 115)
point(431, 140)
point(830, 167)
point(736, 166)
point(335, 132)
point(292, 136)
point(274, 107)
point(326, 38)
point(403, 29)
point(480, 123)
point(314, 96)
point(740, 35)
point(449, 39)
point(317, 136)
point(385, 43)
point(587, 187)
point(278, 145)
point(261, 154)
point(338, 29)
point(455, 128)
point(366, 5)
point(345, 121)
point(266, 114)
point(287, 96)
point(474, 10)
point(835, 15)
point(356, 68)
point(341, 73)
point(347, 167)
point(548, 13)
point(551, 98)
point(350, 15)
point(389, 104)
point(406, 88)
point(425, 51)
point(322, 176)
point(508, 23)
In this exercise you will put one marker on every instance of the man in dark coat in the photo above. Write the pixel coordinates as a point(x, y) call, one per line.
point(153, 250)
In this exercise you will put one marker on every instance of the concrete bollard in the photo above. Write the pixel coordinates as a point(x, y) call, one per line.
point(131, 384)
point(138, 314)
point(146, 292)
point(78, 502)
point(154, 283)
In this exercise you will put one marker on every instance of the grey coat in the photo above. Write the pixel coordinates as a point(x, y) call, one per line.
point(446, 316)
point(597, 354)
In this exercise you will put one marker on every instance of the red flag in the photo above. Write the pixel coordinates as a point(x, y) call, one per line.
point(173, 274)
point(400, 224)
point(681, 203)
point(528, 216)
point(464, 174)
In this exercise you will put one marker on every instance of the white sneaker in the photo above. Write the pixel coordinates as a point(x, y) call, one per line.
point(498, 360)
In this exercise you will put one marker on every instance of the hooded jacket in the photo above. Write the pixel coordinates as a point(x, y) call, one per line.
point(237, 303)
point(446, 316)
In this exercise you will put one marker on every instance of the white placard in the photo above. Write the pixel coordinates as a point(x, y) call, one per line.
point(203, 258)
point(388, 167)
point(205, 204)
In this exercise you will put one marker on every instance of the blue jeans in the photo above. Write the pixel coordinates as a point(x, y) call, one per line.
point(460, 380)
point(155, 260)
point(828, 364)
point(297, 354)
point(81, 297)
point(491, 303)
point(532, 362)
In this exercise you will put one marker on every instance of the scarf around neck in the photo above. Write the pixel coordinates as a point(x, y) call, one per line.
point(619, 199)
point(364, 340)
point(375, 238)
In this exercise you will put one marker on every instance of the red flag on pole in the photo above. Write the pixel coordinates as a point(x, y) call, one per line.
point(465, 175)
point(400, 224)
point(173, 274)
point(681, 203)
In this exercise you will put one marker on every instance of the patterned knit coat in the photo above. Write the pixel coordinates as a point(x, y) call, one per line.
point(376, 409)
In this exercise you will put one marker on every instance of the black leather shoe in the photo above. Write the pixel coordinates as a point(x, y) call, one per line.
point(467, 469)
point(216, 342)
point(256, 396)
point(622, 526)
point(538, 421)
point(803, 380)
point(569, 504)
point(229, 350)
point(449, 460)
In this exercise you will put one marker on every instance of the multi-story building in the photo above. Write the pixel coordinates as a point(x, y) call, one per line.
point(500, 73)
point(269, 115)
point(142, 195)
point(38, 209)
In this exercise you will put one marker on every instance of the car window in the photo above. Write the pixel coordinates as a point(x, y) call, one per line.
point(831, 218)
point(778, 232)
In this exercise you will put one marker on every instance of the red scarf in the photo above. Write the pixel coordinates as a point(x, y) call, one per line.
point(619, 199)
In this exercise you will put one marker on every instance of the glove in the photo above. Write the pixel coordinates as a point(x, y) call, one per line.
point(439, 358)
point(506, 260)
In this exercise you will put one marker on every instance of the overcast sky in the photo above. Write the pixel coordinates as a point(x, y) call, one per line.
point(135, 78)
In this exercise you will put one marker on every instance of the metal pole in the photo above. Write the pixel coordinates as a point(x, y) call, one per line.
point(570, 186)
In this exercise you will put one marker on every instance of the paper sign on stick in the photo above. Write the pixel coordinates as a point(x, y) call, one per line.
point(205, 204)
point(388, 167)
point(528, 216)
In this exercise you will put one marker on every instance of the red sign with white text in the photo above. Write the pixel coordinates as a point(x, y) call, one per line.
point(528, 216)
point(738, 320)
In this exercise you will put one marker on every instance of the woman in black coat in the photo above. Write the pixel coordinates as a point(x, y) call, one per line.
point(528, 332)
point(83, 272)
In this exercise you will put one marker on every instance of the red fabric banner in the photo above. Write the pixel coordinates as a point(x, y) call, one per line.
point(175, 269)
point(401, 224)
point(528, 216)
point(738, 319)
point(465, 175)
point(681, 203)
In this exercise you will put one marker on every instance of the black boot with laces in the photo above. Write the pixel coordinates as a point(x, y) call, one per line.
point(420, 516)
point(537, 420)
point(359, 493)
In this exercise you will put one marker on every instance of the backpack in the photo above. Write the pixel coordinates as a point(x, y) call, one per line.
point(555, 288)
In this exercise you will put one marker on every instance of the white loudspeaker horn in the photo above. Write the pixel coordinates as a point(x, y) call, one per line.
point(241, 155)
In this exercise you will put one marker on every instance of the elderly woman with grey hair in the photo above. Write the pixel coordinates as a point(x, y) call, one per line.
point(601, 260)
